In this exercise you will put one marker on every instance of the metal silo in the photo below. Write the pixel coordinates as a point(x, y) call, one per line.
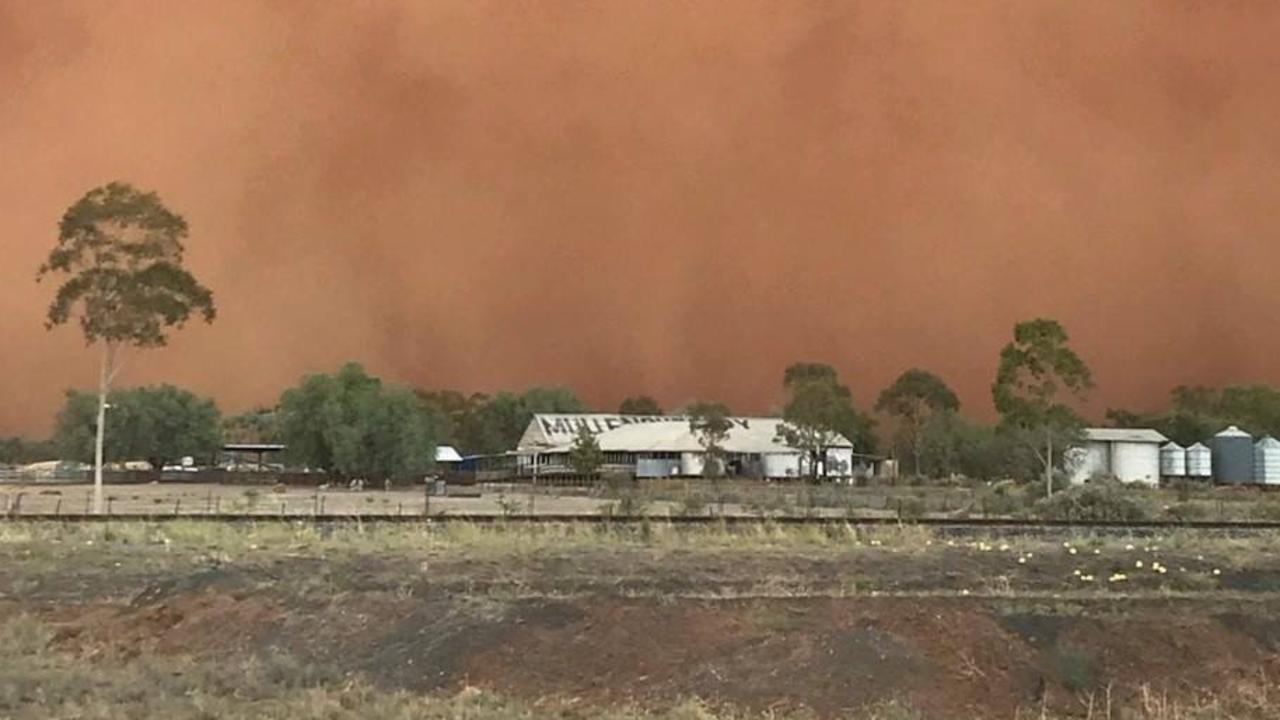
point(1266, 461)
point(1233, 456)
point(1199, 461)
point(1173, 461)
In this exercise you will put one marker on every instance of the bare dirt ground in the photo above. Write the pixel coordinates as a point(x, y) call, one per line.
point(589, 620)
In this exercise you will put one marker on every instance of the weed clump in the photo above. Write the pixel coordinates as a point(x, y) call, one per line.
point(1094, 502)
point(1076, 668)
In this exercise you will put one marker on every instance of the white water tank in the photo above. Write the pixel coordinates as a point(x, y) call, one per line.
point(1199, 461)
point(1173, 460)
point(1266, 461)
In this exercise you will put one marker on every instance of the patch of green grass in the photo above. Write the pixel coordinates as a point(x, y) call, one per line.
point(1075, 667)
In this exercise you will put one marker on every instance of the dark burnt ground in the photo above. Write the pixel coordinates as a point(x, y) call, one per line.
point(955, 630)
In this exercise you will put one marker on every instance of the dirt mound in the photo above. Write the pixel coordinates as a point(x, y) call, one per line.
point(207, 623)
point(949, 657)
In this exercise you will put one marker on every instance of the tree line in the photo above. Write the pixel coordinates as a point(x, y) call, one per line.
point(119, 252)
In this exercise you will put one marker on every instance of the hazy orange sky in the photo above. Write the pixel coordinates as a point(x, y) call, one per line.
point(676, 198)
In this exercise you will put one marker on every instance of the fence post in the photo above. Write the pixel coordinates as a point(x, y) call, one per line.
point(110, 500)
point(57, 508)
point(177, 504)
point(217, 505)
point(322, 504)
point(208, 502)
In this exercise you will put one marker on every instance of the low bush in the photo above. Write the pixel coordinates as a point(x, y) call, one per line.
point(911, 508)
point(1094, 502)
point(1266, 510)
point(1076, 668)
point(1003, 498)
point(1186, 512)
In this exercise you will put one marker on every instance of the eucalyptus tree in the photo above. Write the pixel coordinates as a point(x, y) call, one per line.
point(912, 399)
point(120, 251)
point(1038, 377)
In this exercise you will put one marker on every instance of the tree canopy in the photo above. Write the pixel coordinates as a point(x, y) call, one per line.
point(585, 456)
point(160, 424)
point(912, 399)
point(1196, 412)
point(481, 424)
point(20, 451)
point(818, 412)
point(1038, 375)
point(352, 424)
point(639, 405)
point(122, 250)
point(709, 422)
point(260, 425)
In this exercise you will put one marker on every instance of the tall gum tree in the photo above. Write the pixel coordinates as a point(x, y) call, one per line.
point(1038, 374)
point(819, 411)
point(912, 399)
point(120, 250)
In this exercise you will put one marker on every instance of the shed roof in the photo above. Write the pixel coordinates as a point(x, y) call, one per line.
point(652, 433)
point(447, 453)
point(1134, 435)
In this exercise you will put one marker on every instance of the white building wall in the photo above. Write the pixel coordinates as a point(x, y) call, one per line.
point(840, 462)
point(781, 465)
point(1134, 462)
point(691, 464)
point(1085, 462)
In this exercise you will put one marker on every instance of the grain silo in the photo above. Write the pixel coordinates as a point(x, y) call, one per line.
point(1199, 462)
point(1173, 460)
point(1233, 456)
point(1266, 461)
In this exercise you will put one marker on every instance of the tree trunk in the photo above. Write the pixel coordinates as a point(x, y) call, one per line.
point(104, 385)
point(1048, 463)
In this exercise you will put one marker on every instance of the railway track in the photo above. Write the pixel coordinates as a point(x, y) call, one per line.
point(946, 525)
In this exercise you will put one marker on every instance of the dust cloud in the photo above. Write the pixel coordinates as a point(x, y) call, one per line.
point(675, 198)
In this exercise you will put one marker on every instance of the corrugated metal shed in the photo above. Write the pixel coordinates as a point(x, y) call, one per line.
point(1137, 435)
point(630, 433)
point(1131, 455)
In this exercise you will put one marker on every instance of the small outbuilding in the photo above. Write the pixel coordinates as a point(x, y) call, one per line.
point(1130, 455)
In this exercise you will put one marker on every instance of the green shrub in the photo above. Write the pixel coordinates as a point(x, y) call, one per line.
point(1094, 502)
point(632, 504)
point(911, 508)
point(693, 504)
point(1186, 512)
point(1003, 498)
point(1074, 667)
point(1266, 510)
